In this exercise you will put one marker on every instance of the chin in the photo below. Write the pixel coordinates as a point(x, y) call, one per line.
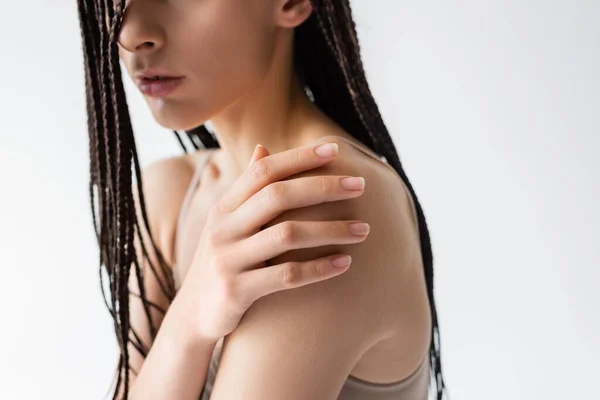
point(177, 117)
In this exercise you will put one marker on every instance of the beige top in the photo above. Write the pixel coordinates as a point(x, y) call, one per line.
point(414, 387)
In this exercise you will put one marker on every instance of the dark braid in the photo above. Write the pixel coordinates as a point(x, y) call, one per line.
point(112, 149)
point(337, 26)
point(327, 60)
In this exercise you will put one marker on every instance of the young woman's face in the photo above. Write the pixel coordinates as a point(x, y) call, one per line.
point(221, 48)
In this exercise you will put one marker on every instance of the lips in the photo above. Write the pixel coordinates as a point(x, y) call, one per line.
point(157, 83)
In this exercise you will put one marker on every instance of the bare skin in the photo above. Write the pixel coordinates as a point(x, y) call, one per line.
point(377, 309)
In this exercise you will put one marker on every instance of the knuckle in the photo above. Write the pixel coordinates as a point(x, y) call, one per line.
point(319, 268)
point(283, 233)
point(214, 210)
point(326, 186)
point(270, 194)
point(260, 168)
point(219, 264)
point(228, 289)
point(288, 274)
point(301, 156)
point(297, 158)
point(335, 229)
point(214, 236)
point(277, 191)
point(274, 193)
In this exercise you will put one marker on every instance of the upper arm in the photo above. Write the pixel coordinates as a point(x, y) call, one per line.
point(164, 183)
point(304, 342)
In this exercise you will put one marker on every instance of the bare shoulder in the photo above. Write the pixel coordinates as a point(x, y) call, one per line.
point(165, 183)
point(382, 297)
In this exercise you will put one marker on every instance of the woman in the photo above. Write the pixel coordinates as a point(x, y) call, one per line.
point(236, 259)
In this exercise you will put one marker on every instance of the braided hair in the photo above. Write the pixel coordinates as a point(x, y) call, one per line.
point(327, 60)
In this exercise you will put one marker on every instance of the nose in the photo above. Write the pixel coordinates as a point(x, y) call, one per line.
point(140, 29)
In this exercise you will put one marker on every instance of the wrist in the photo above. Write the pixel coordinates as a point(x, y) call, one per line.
point(184, 325)
point(178, 361)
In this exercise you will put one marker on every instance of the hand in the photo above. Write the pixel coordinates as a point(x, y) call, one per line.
point(228, 271)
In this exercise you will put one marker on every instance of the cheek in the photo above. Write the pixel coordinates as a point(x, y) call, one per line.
point(225, 50)
point(126, 62)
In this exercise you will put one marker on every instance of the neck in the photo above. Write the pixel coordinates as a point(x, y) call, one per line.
point(277, 114)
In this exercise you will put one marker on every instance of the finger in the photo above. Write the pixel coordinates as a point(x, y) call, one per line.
point(259, 152)
point(260, 282)
point(277, 197)
point(289, 235)
point(273, 168)
point(253, 157)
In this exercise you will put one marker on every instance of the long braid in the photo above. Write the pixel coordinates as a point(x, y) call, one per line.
point(105, 197)
point(344, 45)
point(91, 101)
point(327, 59)
point(122, 189)
point(112, 149)
point(89, 38)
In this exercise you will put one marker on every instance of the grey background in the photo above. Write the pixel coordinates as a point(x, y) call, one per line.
point(494, 107)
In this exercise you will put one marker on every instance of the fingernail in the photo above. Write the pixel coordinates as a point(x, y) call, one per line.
point(327, 150)
point(359, 228)
point(253, 154)
point(342, 261)
point(353, 183)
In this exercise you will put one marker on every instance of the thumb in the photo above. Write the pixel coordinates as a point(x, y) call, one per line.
point(259, 152)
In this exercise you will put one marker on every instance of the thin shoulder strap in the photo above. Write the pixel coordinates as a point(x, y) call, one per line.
point(362, 147)
point(198, 168)
point(366, 150)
